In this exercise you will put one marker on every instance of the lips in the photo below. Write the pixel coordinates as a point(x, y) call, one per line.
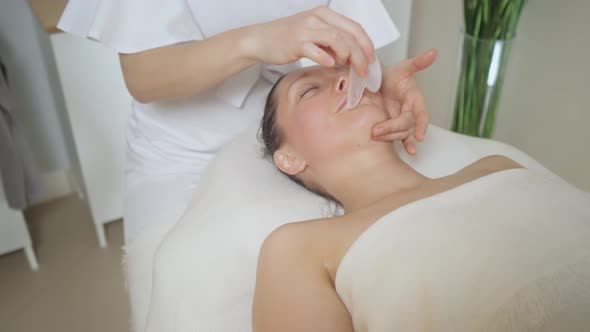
point(342, 104)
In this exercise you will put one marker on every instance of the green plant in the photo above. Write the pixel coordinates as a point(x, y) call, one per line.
point(490, 26)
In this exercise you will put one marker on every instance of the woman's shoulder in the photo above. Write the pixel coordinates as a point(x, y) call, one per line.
point(490, 164)
point(295, 247)
point(498, 162)
point(313, 243)
point(480, 168)
point(305, 235)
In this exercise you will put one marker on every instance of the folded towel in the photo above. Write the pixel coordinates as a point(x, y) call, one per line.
point(506, 252)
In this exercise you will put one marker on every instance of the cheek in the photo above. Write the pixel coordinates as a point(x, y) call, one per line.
point(370, 112)
point(318, 134)
point(315, 130)
point(313, 121)
point(366, 116)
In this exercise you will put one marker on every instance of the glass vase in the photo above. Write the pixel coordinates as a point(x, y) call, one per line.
point(482, 66)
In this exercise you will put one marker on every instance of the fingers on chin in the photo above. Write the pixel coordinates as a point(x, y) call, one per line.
point(396, 136)
point(410, 146)
point(411, 150)
point(420, 134)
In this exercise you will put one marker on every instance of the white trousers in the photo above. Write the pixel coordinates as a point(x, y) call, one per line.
point(159, 200)
point(152, 205)
point(169, 147)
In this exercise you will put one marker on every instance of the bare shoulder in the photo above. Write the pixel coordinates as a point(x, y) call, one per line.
point(303, 237)
point(284, 249)
point(482, 167)
point(283, 239)
point(496, 163)
point(317, 244)
point(293, 290)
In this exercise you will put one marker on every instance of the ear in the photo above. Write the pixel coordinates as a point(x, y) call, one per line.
point(288, 162)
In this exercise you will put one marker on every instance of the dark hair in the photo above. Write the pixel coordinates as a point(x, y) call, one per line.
point(270, 136)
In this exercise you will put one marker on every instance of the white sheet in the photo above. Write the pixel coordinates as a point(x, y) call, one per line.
point(506, 252)
point(204, 271)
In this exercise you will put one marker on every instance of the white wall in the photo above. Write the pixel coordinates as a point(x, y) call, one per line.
point(401, 12)
point(545, 103)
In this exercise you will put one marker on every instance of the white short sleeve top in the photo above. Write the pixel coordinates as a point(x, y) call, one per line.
point(189, 131)
point(131, 26)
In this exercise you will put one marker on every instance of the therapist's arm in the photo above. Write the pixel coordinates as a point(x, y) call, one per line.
point(185, 69)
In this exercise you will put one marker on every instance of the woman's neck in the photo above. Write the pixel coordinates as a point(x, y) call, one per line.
point(368, 177)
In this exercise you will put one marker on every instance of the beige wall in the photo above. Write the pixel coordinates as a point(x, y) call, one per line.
point(545, 108)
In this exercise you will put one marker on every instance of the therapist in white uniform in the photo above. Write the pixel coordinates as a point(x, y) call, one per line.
point(199, 72)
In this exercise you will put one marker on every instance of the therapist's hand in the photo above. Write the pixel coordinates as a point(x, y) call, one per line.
point(405, 102)
point(319, 34)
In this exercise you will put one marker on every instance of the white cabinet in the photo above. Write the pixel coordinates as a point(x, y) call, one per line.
point(14, 234)
point(98, 105)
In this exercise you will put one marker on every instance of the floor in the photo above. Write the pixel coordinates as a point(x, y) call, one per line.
point(79, 286)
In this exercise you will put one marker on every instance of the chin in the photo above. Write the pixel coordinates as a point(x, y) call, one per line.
point(369, 114)
point(359, 134)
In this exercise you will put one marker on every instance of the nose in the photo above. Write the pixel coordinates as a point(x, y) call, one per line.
point(341, 83)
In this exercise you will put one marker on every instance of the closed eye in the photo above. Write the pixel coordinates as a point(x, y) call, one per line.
point(307, 90)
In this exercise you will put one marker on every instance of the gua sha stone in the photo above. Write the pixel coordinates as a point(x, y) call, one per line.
point(357, 84)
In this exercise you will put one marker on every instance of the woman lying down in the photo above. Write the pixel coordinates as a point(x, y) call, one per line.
point(492, 247)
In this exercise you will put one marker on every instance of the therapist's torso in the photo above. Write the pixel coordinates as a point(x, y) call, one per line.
point(183, 135)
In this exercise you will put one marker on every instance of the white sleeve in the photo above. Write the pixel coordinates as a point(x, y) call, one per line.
point(372, 15)
point(130, 26)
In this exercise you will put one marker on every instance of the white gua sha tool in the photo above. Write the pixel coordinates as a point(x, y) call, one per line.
point(357, 85)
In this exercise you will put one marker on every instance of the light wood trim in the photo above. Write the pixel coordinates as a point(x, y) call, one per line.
point(48, 13)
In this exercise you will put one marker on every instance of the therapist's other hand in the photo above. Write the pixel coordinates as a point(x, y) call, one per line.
point(405, 102)
point(319, 34)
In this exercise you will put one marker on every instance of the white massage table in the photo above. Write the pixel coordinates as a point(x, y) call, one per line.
point(245, 198)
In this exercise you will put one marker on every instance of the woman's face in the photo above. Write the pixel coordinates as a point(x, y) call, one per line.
point(312, 115)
